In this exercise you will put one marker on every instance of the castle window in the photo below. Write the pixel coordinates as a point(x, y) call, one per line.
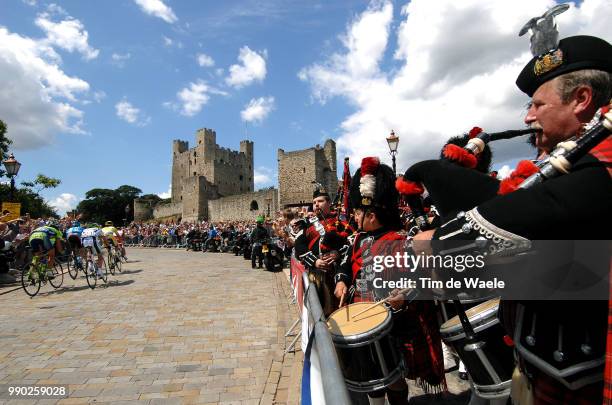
point(194, 161)
point(254, 206)
point(195, 153)
point(194, 173)
point(241, 177)
point(304, 169)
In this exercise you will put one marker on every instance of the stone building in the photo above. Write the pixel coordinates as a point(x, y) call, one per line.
point(214, 183)
point(297, 170)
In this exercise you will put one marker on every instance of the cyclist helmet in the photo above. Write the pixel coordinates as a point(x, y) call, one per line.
point(108, 223)
point(53, 224)
point(260, 219)
point(76, 224)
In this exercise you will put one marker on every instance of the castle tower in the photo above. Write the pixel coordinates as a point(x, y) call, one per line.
point(179, 167)
point(330, 175)
point(297, 170)
point(248, 184)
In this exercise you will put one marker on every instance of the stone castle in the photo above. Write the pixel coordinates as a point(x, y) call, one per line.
point(217, 184)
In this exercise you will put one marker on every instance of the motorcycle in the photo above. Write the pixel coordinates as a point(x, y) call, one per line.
point(273, 254)
point(212, 245)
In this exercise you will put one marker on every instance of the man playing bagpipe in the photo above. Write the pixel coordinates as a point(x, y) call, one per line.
point(561, 345)
point(375, 200)
point(319, 245)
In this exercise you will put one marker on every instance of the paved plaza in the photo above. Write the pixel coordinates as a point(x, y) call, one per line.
point(174, 327)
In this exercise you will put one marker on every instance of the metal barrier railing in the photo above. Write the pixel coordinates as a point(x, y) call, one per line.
point(157, 240)
point(334, 387)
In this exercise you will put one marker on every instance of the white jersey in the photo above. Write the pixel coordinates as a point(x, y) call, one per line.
point(91, 233)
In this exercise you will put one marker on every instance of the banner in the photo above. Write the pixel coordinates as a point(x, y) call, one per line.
point(312, 384)
point(14, 210)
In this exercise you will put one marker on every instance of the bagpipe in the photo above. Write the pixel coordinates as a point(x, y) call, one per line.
point(453, 185)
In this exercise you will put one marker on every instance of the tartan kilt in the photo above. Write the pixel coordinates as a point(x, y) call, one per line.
point(418, 332)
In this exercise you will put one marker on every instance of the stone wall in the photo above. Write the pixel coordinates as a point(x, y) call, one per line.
point(244, 206)
point(298, 169)
point(164, 210)
point(143, 209)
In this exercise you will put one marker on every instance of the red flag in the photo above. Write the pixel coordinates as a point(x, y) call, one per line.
point(346, 185)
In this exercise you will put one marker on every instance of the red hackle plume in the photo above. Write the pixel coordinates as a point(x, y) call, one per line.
point(460, 156)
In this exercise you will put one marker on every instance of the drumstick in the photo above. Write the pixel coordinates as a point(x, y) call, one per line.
point(341, 300)
point(380, 302)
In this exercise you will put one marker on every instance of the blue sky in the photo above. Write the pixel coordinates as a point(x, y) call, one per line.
point(93, 93)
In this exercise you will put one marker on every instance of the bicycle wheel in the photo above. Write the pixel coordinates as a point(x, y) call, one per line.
point(118, 262)
point(58, 272)
point(90, 274)
point(73, 270)
point(30, 280)
point(111, 262)
point(104, 271)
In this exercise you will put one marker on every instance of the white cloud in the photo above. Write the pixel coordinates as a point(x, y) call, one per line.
point(29, 2)
point(257, 109)
point(69, 34)
point(264, 177)
point(191, 99)
point(157, 8)
point(455, 67)
point(127, 112)
point(504, 172)
point(252, 68)
point(205, 60)
point(119, 59)
point(98, 96)
point(166, 194)
point(64, 202)
point(37, 95)
point(169, 42)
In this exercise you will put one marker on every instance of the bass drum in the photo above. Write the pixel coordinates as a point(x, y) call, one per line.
point(489, 360)
point(369, 357)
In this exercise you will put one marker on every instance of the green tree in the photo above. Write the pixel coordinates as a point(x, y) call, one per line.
point(42, 182)
point(102, 204)
point(31, 202)
point(4, 145)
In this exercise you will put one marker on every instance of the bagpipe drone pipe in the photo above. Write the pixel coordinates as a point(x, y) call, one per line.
point(458, 181)
point(454, 185)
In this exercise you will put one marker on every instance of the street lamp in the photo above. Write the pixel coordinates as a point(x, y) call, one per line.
point(393, 141)
point(12, 168)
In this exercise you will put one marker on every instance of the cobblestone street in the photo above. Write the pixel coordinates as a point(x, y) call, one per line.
point(174, 327)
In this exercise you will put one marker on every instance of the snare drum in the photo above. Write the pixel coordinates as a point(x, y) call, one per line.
point(368, 355)
point(489, 361)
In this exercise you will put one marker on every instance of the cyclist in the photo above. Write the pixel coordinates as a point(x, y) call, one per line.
point(73, 234)
point(112, 237)
point(93, 238)
point(47, 239)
